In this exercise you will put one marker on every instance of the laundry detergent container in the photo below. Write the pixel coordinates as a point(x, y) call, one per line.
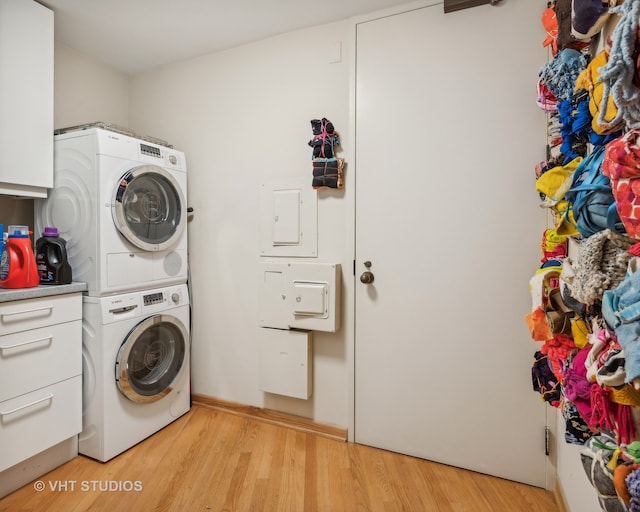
point(51, 258)
point(17, 262)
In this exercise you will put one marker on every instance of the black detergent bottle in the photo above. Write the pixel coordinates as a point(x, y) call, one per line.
point(51, 258)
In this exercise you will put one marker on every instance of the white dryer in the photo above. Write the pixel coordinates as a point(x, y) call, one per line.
point(136, 377)
point(120, 204)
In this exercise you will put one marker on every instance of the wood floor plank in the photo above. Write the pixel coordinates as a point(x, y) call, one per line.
point(316, 485)
point(402, 478)
point(210, 460)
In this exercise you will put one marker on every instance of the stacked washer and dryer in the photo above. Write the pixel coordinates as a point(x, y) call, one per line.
point(119, 201)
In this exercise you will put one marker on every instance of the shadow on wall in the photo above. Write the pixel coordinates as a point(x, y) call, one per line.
point(16, 211)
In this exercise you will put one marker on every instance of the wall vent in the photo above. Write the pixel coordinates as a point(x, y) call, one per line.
point(458, 5)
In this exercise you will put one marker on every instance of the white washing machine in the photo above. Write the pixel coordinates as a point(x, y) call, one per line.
point(136, 376)
point(120, 204)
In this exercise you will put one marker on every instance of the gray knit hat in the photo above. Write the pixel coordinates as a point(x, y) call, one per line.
point(601, 265)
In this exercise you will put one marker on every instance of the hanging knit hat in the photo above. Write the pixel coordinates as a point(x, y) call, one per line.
point(602, 341)
point(576, 430)
point(626, 395)
point(552, 186)
point(579, 330)
point(620, 474)
point(553, 245)
point(560, 73)
point(544, 381)
point(633, 487)
point(595, 456)
point(576, 387)
point(566, 281)
point(545, 99)
point(601, 264)
point(566, 38)
point(550, 24)
point(588, 17)
point(620, 72)
point(589, 80)
point(621, 164)
point(621, 310)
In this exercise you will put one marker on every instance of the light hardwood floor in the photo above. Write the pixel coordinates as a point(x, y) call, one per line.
point(210, 460)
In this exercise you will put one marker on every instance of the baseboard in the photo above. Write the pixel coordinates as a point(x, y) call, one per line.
point(561, 501)
point(274, 417)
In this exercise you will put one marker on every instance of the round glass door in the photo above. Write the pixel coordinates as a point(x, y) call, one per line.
point(148, 208)
point(151, 358)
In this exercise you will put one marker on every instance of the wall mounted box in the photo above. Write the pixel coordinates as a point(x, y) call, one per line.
point(311, 299)
point(300, 296)
point(288, 218)
point(286, 362)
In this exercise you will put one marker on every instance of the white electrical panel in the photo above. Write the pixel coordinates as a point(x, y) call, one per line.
point(300, 296)
point(288, 218)
point(286, 362)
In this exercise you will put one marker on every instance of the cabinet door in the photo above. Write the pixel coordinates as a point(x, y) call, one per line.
point(26, 98)
point(36, 421)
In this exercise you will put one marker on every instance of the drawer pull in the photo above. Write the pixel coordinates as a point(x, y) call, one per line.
point(25, 312)
point(124, 309)
point(48, 339)
point(26, 406)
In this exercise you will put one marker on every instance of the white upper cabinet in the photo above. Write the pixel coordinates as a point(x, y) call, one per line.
point(26, 98)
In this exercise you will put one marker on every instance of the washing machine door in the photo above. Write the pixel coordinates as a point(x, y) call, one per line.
point(151, 358)
point(148, 208)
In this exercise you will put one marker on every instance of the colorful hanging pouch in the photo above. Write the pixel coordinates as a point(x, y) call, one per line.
point(603, 113)
point(621, 164)
point(591, 198)
point(553, 185)
point(327, 173)
point(325, 138)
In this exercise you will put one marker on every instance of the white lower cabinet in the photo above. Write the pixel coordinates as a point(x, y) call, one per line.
point(36, 421)
point(40, 380)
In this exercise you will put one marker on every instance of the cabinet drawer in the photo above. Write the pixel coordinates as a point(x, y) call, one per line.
point(33, 422)
point(36, 358)
point(21, 315)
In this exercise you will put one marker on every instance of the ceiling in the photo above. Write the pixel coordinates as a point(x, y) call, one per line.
point(136, 35)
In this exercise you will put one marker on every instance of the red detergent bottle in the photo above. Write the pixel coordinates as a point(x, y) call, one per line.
point(18, 262)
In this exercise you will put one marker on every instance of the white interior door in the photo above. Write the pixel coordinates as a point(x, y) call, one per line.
point(447, 137)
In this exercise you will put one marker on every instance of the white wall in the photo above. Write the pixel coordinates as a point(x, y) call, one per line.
point(243, 116)
point(87, 91)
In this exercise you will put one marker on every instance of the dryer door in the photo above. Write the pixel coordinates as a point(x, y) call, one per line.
point(148, 208)
point(151, 358)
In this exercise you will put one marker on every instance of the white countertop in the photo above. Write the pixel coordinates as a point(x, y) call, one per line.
point(8, 295)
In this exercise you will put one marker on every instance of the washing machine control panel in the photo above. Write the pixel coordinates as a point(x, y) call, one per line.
point(167, 297)
point(153, 298)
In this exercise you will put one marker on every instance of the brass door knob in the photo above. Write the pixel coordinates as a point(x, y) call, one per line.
point(366, 277)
